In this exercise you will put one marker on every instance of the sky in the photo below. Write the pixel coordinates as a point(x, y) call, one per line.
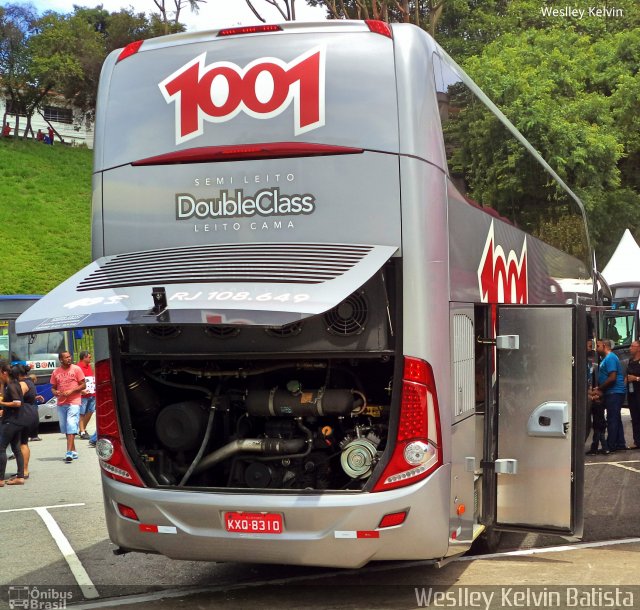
point(213, 14)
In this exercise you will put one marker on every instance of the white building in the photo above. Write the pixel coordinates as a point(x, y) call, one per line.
point(66, 122)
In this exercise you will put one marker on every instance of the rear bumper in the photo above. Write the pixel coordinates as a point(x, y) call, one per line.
point(194, 524)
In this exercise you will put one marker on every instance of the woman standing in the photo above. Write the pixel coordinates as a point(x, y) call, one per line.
point(10, 429)
point(28, 413)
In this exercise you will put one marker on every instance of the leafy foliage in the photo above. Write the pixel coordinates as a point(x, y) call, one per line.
point(62, 54)
point(570, 84)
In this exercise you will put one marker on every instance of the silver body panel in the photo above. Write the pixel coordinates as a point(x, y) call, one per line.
point(310, 521)
point(540, 371)
point(379, 97)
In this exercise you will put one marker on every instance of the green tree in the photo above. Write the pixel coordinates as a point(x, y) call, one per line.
point(63, 54)
point(576, 100)
point(169, 13)
point(91, 35)
point(67, 54)
point(17, 25)
point(424, 13)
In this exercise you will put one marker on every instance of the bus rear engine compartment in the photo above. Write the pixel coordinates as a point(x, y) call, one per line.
point(263, 424)
point(304, 406)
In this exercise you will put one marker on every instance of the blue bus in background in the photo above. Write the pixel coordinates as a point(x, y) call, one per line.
point(39, 351)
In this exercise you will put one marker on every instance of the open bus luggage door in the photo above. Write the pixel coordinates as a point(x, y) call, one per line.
point(541, 397)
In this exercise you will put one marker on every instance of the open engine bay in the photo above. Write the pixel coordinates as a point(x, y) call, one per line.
point(305, 406)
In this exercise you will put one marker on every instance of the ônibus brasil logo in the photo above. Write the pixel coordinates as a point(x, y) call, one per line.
point(262, 89)
point(502, 278)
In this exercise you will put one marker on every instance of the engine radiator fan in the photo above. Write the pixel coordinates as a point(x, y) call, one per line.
point(349, 317)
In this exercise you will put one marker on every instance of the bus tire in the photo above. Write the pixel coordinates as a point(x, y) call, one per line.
point(487, 542)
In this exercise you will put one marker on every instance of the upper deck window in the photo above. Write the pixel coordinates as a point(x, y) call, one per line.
point(493, 169)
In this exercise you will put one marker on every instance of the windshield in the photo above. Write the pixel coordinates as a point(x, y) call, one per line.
point(28, 347)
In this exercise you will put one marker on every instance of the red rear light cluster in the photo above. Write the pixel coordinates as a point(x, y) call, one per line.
point(418, 449)
point(114, 460)
point(379, 27)
point(131, 49)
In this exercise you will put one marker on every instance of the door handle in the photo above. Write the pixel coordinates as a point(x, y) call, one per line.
point(549, 419)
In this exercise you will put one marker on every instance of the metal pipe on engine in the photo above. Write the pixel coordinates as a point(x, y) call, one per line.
point(251, 445)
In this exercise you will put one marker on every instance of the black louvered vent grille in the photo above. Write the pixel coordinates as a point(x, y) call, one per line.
point(277, 263)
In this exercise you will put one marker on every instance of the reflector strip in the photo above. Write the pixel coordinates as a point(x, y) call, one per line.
point(158, 529)
point(353, 535)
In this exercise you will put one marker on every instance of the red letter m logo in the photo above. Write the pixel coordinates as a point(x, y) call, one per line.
point(502, 279)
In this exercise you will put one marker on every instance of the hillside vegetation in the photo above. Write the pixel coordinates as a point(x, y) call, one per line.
point(45, 209)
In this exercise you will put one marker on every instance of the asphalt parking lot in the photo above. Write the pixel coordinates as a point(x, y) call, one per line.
point(54, 539)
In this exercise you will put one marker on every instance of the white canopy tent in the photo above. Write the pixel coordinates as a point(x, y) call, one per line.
point(623, 269)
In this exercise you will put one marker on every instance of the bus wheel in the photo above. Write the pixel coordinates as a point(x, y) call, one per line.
point(487, 542)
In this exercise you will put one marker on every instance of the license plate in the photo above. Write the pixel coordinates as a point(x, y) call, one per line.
point(253, 523)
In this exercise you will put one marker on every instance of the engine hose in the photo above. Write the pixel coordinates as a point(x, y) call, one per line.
point(305, 453)
point(182, 386)
point(284, 448)
point(205, 440)
point(244, 373)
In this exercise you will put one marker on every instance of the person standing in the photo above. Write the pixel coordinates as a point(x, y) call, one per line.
point(611, 386)
point(633, 389)
point(67, 384)
point(596, 420)
point(34, 380)
point(88, 403)
point(10, 429)
point(28, 413)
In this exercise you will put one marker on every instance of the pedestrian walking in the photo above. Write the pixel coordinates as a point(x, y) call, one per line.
point(67, 384)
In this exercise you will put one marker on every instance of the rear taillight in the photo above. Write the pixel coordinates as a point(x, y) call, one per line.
point(114, 460)
point(418, 447)
point(379, 27)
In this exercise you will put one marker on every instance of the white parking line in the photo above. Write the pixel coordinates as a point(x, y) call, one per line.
point(400, 565)
point(551, 549)
point(619, 465)
point(77, 569)
point(17, 510)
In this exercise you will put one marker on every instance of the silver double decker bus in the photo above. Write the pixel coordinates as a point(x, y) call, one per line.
point(327, 294)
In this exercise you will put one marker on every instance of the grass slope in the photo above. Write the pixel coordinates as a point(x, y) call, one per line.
point(45, 210)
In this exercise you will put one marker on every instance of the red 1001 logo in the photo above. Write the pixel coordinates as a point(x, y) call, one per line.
point(263, 89)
